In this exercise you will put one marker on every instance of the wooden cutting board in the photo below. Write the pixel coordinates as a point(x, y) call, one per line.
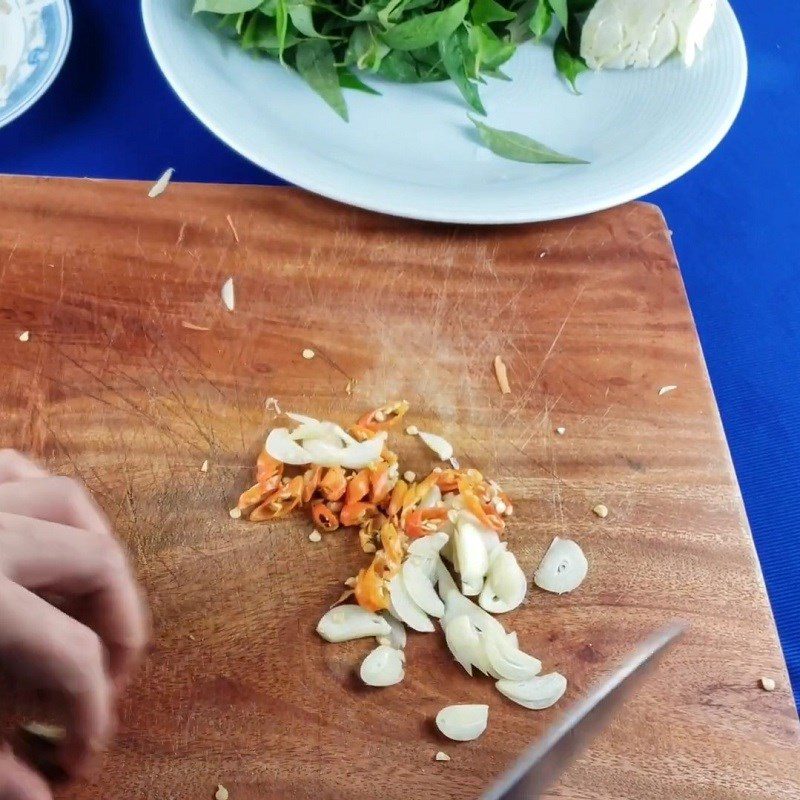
point(592, 319)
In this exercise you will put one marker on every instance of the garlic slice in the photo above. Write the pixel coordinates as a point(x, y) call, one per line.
point(405, 609)
point(315, 429)
point(432, 498)
point(356, 456)
point(505, 586)
point(382, 667)
point(464, 643)
point(440, 446)
point(428, 546)
point(463, 723)
point(397, 638)
point(228, 294)
point(536, 693)
point(563, 567)
point(282, 447)
point(508, 661)
point(344, 623)
point(420, 589)
point(473, 558)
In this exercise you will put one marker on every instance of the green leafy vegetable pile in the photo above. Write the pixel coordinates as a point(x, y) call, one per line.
point(332, 44)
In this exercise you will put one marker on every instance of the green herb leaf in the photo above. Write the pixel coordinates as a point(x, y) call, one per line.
point(225, 6)
point(561, 11)
point(315, 63)
point(303, 20)
point(485, 11)
point(541, 20)
point(347, 80)
point(490, 51)
point(567, 53)
point(453, 55)
point(426, 29)
point(518, 147)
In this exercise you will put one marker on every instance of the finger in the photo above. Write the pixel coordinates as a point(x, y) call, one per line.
point(44, 647)
point(83, 565)
point(18, 781)
point(15, 467)
point(55, 499)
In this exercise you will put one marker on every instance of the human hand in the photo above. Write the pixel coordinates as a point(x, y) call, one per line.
point(82, 646)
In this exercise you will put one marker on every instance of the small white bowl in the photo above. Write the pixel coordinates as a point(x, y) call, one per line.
point(34, 42)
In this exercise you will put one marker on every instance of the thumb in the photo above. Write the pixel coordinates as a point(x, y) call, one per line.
point(18, 781)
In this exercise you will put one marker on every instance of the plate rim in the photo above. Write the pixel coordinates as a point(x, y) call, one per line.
point(53, 72)
point(464, 216)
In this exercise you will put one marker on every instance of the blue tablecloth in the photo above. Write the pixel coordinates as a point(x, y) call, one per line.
point(110, 114)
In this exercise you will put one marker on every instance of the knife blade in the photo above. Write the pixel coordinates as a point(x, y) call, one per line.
point(539, 766)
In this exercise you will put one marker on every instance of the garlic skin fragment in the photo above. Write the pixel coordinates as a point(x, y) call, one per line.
point(463, 723)
point(382, 667)
point(536, 693)
point(228, 294)
point(345, 623)
point(439, 445)
point(160, 186)
point(563, 567)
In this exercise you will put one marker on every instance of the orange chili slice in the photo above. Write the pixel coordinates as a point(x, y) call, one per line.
point(371, 590)
point(324, 518)
point(379, 482)
point(311, 479)
point(259, 492)
point(385, 417)
point(357, 487)
point(281, 503)
point(356, 513)
point(396, 501)
point(333, 484)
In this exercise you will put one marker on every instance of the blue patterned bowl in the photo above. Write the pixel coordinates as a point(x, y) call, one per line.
point(34, 40)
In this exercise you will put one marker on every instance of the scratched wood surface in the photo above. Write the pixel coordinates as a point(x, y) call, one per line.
point(590, 316)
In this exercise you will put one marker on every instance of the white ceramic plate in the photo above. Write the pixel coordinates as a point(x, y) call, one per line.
point(413, 152)
point(34, 41)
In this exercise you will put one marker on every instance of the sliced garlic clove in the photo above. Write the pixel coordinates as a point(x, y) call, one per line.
point(302, 419)
point(420, 589)
point(446, 585)
point(428, 546)
point(432, 498)
point(344, 623)
point(473, 558)
point(283, 448)
point(536, 693)
point(463, 723)
point(513, 639)
point(456, 605)
point(356, 456)
point(509, 662)
point(382, 667)
point(506, 585)
point(563, 567)
point(440, 446)
point(405, 609)
point(397, 638)
point(459, 635)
